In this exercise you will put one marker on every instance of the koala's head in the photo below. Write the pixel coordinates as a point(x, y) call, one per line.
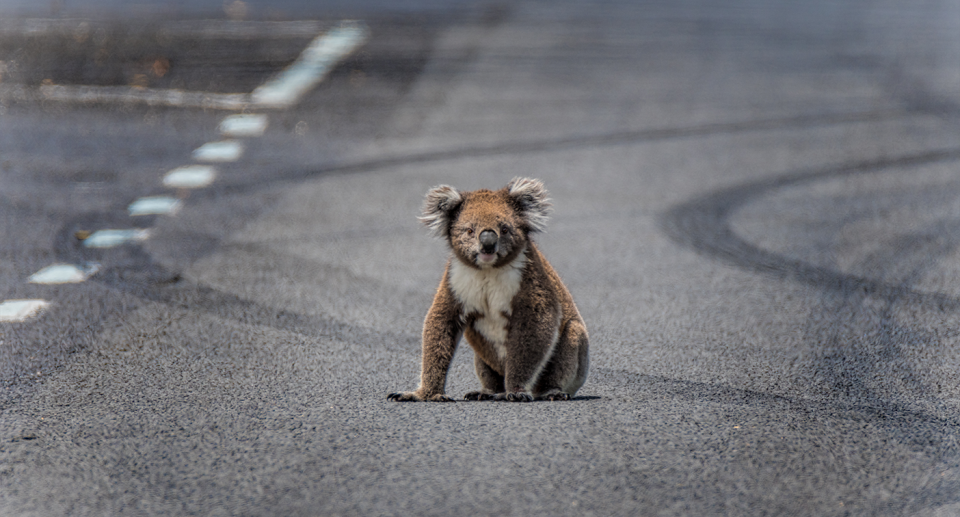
point(487, 228)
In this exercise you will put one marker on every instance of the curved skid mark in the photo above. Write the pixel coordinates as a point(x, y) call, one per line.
point(703, 224)
point(552, 145)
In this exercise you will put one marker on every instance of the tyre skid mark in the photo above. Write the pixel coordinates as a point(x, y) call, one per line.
point(850, 360)
point(703, 224)
point(558, 145)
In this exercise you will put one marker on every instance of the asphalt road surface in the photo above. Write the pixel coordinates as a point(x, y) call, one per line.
point(757, 210)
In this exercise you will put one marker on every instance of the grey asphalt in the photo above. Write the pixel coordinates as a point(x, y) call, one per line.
point(757, 210)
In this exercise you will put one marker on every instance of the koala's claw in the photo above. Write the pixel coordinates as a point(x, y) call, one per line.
point(520, 396)
point(479, 395)
point(555, 396)
point(411, 396)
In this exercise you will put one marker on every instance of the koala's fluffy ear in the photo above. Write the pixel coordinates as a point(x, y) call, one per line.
point(531, 200)
point(438, 209)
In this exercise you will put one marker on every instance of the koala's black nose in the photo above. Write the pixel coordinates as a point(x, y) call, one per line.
point(488, 239)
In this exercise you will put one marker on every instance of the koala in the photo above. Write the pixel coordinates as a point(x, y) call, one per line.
point(500, 293)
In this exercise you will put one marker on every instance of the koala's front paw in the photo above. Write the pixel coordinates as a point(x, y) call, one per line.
point(413, 396)
point(557, 395)
point(519, 396)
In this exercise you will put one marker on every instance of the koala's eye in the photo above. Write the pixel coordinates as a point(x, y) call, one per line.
point(469, 231)
point(504, 228)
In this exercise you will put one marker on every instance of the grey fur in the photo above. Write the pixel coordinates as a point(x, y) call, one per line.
point(438, 206)
point(532, 199)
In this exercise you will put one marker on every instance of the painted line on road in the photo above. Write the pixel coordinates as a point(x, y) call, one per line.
point(246, 125)
point(190, 176)
point(134, 95)
point(21, 310)
point(311, 67)
point(238, 29)
point(222, 151)
point(64, 273)
point(281, 91)
point(155, 205)
point(207, 29)
point(112, 238)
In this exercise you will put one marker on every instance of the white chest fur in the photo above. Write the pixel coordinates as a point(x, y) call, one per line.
point(488, 293)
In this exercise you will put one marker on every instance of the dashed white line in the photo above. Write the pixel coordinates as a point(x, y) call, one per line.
point(213, 29)
point(222, 151)
point(314, 62)
point(190, 176)
point(155, 205)
point(129, 95)
point(244, 125)
point(64, 273)
point(281, 91)
point(112, 238)
point(236, 29)
point(21, 310)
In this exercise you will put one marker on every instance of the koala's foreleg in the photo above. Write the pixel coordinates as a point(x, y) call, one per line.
point(441, 333)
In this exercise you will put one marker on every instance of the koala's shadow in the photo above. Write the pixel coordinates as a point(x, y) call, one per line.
point(585, 398)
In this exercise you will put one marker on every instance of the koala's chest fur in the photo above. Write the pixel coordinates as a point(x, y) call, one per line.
point(486, 295)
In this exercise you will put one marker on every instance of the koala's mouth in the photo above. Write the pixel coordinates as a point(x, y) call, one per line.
point(486, 258)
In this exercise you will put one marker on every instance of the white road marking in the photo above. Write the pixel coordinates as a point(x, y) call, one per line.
point(130, 95)
point(222, 151)
point(155, 205)
point(212, 29)
point(190, 176)
point(281, 91)
point(237, 29)
point(243, 125)
point(64, 273)
point(20, 310)
point(311, 67)
point(113, 238)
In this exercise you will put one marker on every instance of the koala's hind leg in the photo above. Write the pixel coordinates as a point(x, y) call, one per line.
point(567, 369)
point(491, 381)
